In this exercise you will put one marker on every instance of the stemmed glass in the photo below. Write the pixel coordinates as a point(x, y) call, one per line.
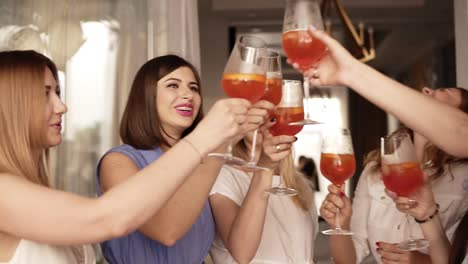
point(290, 109)
point(337, 164)
point(244, 77)
point(273, 93)
point(402, 174)
point(299, 45)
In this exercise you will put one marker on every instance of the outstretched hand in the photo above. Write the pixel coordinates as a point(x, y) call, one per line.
point(335, 68)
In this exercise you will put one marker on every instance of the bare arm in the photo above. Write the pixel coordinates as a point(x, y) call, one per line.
point(177, 216)
point(55, 217)
point(411, 107)
point(241, 228)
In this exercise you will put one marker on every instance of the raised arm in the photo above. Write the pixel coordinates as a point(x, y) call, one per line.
point(37, 213)
point(181, 211)
point(411, 107)
point(241, 226)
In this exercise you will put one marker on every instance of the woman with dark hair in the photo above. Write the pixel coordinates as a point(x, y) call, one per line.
point(41, 224)
point(164, 105)
point(378, 225)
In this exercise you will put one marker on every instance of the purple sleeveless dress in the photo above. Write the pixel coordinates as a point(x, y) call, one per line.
point(136, 248)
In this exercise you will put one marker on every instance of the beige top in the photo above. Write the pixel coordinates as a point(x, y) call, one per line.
point(29, 252)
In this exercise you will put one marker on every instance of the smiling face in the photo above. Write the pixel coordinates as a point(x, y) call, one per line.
point(54, 111)
point(450, 96)
point(177, 101)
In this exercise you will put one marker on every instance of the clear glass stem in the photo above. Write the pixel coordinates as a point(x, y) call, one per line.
point(409, 231)
point(281, 172)
point(306, 86)
point(337, 219)
point(229, 150)
point(253, 148)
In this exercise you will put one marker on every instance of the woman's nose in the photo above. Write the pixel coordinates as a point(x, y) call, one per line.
point(427, 91)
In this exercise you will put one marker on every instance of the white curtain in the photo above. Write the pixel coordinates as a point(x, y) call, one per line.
point(98, 46)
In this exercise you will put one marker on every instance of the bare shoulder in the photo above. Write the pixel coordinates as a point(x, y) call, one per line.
point(115, 168)
point(7, 180)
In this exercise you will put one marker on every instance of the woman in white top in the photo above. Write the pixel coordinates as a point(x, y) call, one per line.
point(30, 210)
point(377, 223)
point(254, 227)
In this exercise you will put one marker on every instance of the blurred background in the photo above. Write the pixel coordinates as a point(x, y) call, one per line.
point(99, 45)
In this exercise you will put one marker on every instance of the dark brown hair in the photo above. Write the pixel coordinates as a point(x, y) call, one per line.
point(141, 124)
point(434, 158)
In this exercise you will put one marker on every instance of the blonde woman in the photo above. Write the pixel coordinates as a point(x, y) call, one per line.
point(254, 227)
point(39, 223)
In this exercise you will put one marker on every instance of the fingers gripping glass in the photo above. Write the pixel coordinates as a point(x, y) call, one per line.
point(337, 164)
point(289, 110)
point(402, 174)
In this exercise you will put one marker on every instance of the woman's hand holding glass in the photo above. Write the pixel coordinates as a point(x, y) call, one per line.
point(390, 253)
point(420, 204)
point(334, 201)
point(335, 68)
point(227, 119)
point(275, 149)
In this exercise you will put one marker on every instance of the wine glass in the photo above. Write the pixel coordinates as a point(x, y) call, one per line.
point(290, 109)
point(337, 164)
point(299, 45)
point(244, 77)
point(273, 93)
point(402, 174)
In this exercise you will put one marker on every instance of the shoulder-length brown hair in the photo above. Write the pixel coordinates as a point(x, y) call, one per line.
point(22, 126)
point(141, 124)
point(434, 158)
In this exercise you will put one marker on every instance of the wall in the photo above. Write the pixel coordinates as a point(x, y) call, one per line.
point(214, 52)
point(461, 41)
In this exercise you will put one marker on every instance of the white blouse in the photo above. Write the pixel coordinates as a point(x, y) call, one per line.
point(375, 217)
point(28, 252)
point(288, 234)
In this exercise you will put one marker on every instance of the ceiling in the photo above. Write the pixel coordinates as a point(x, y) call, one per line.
point(405, 30)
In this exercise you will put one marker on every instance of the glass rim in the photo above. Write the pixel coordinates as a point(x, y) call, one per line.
point(396, 135)
point(285, 81)
point(252, 44)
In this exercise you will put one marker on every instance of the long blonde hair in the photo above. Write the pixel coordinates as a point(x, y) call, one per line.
point(22, 126)
point(291, 178)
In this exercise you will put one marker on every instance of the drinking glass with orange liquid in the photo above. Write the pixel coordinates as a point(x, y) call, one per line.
point(244, 77)
point(299, 45)
point(289, 110)
point(402, 174)
point(337, 164)
point(273, 93)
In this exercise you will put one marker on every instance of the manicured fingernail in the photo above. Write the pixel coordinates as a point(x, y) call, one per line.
point(273, 120)
point(377, 243)
point(295, 139)
point(342, 194)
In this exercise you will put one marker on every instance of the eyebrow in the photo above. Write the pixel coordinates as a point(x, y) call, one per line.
point(179, 80)
point(49, 87)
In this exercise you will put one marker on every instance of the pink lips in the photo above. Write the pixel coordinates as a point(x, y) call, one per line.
point(57, 126)
point(185, 109)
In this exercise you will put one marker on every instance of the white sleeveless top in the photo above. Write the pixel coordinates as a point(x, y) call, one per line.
point(288, 232)
point(32, 252)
